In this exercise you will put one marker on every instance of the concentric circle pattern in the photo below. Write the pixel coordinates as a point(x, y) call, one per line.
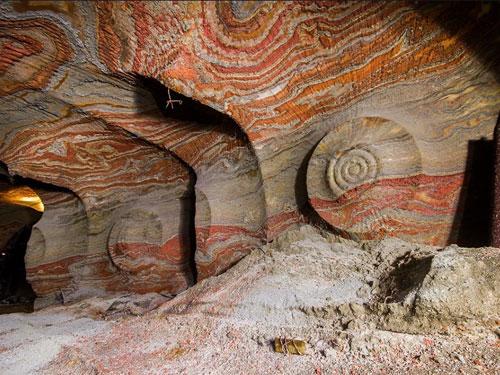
point(350, 169)
point(357, 185)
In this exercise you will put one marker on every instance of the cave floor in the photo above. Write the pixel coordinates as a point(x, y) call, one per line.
point(344, 300)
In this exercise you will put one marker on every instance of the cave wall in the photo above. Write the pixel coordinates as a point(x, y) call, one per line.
point(357, 115)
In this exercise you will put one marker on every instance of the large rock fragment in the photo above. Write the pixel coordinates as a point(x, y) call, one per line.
point(461, 284)
point(440, 290)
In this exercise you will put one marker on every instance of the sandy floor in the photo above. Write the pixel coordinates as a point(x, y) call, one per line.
point(305, 285)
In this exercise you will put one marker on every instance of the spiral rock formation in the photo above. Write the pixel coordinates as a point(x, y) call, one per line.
point(351, 168)
point(365, 178)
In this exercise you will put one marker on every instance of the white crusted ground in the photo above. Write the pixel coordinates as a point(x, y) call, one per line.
point(360, 308)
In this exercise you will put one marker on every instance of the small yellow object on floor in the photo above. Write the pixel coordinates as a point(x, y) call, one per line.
point(287, 346)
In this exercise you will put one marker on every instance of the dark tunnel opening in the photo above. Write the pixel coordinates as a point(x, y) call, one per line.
point(20, 209)
point(176, 106)
point(22, 206)
point(472, 224)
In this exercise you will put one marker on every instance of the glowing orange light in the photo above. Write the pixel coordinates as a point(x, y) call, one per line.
point(22, 196)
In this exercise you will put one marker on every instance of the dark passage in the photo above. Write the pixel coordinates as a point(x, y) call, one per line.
point(16, 294)
point(472, 226)
point(19, 209)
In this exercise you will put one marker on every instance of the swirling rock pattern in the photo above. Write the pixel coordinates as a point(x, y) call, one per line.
point(365, 178)
point(362, 110)
point(49, 265)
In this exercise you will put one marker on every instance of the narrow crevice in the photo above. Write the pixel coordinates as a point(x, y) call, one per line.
point(472, 223)
point(188, 204)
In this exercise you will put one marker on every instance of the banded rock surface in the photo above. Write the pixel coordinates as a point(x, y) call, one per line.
point(361, 110)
